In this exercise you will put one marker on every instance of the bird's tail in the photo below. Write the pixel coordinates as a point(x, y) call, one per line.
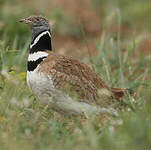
point(120, 92)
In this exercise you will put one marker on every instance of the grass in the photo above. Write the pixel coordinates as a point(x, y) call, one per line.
point(120, 61)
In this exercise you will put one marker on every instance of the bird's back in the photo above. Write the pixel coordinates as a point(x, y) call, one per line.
point(72, 76)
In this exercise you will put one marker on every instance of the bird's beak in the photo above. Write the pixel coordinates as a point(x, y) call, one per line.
point(25, 21)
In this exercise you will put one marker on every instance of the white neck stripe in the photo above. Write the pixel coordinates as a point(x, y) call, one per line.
point(38, 37)
point(35, 56)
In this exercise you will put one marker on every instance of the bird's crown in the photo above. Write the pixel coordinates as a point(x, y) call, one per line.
point(35, 20)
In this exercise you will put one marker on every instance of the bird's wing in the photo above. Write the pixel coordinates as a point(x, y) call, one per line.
point(72, 76)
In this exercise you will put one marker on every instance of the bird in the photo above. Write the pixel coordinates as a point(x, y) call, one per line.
point(64, 83)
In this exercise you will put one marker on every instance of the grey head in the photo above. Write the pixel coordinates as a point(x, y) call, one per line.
point(37, 23)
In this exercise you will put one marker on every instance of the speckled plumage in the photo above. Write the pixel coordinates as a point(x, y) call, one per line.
point(68, 72)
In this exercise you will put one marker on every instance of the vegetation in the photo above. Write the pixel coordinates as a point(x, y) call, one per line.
point(114, 36)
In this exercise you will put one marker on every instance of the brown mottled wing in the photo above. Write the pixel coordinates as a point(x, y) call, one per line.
point(72, 76)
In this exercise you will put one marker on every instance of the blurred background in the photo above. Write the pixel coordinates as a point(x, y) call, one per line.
point(114, 37)
point(74, 20)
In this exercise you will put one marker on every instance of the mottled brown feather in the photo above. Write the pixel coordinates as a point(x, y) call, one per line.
point(66, 71)
point(74, 77)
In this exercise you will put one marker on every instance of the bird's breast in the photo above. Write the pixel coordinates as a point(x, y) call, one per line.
point(39, 83)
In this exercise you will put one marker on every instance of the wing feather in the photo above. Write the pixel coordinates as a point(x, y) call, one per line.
point(72, 76)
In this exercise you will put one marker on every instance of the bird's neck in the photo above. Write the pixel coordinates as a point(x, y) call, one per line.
point(41, 41)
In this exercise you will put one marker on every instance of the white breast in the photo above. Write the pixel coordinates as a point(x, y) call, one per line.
point(40, 84)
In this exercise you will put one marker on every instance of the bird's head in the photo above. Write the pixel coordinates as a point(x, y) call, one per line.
point(36, 22)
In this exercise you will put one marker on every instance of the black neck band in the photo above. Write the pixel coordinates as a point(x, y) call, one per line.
point(32, 65)
point(44, 43)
